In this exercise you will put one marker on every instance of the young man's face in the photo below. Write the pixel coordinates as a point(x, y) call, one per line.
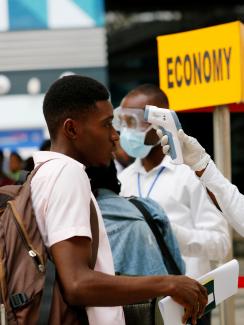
point(96, 137)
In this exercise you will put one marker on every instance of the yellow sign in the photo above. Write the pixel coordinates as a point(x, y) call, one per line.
point(203, 67)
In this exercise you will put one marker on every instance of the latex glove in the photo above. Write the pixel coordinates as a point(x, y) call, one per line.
point(194, 154)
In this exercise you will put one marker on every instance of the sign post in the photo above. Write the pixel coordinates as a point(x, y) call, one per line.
point(222, 157)
point(200, 69)
point(222, 140)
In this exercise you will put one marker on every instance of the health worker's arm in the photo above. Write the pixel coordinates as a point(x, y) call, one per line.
point(224, 194)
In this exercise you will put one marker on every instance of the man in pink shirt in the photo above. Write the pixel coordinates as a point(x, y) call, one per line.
point(79, 117)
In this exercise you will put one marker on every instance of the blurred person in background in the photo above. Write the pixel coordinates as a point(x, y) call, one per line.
point(4, 179)
point(201, 230)
point(15, 165)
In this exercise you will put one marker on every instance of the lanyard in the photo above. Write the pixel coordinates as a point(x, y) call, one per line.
point(152, 185)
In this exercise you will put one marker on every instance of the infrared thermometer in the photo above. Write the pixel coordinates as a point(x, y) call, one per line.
point(167, 120)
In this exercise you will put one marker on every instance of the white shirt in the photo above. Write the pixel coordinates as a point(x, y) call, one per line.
point(230, 200)
point(200, 228)
point(61, 197)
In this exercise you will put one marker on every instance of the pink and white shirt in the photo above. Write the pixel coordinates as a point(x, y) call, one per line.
point(61, 197)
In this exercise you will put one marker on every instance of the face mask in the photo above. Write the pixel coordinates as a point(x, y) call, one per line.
point(132, 142)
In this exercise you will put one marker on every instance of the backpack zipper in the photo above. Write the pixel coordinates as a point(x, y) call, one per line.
point(21, 230)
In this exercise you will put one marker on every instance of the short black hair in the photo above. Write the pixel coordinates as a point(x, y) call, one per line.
point(70, 96)
point(150, 90)
point(104, 177)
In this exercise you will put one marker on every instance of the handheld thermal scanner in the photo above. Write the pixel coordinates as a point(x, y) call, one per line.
point(167, 120)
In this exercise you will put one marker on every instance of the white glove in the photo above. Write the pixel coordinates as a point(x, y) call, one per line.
point(194, 154)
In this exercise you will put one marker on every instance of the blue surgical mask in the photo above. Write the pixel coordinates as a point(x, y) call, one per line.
point(132, 141)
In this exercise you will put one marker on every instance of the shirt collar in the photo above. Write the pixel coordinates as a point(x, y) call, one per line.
point(166, 162)
point(41, 156)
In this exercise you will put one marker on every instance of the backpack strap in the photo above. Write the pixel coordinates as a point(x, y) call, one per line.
point(18, 218)
point(23, 174)
point(169, 261)
point(29, 175)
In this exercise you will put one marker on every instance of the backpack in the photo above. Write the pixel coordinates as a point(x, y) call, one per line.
point(23, 258)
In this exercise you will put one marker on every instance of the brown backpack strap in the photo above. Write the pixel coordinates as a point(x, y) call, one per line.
point(95, 232)
point(33, 172)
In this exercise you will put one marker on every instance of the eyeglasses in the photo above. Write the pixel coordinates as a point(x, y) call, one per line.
point(132, 118)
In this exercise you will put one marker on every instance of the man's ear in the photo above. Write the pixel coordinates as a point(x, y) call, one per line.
point(70, 128)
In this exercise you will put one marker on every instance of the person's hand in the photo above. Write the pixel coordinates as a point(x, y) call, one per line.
point(191, 295)
point(194, 154)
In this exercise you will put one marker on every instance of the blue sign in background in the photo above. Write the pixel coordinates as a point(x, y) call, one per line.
point(34, 14)
point(25, 14)
point(15, 139)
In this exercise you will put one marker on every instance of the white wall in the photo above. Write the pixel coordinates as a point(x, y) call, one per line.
point(21, 112)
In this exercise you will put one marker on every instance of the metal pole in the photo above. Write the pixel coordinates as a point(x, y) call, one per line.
point(222, 157)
